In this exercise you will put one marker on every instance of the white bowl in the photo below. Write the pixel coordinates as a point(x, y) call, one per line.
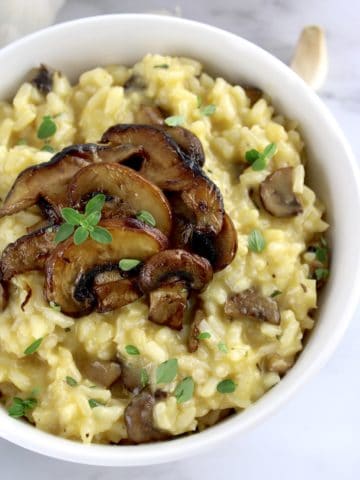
point(76, 46)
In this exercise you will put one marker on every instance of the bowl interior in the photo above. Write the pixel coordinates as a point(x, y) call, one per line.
point(124, 39)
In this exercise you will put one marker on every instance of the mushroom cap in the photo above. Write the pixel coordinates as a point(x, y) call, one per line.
point(277, 195)
point(139, 419)
point(164, 164)
point(175, 265)
point(251, 303)
point(69, 262)
point(127, 186)
point(27, 253)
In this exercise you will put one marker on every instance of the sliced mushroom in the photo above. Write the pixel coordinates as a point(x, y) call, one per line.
point(164, 164)
point(27, 253)
point(175, 265)
point(135, 82)
point(43, 79)
point(139, 419)
point(168, 277)
point(194, 332)
point(277, 363)
point(53, 176)
point(101, 372)
point(69, 262)
point(126, 186)
point(253, 93)
point(4, 295)
point(116, 294)
point(219, 249)
point(131, 377)
point(251, 303)
point(168, 304)
point(277, 195)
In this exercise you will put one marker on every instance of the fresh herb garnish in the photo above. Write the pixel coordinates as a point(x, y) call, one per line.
point(33, 347)
point(146, 217)
point(48, 148)
point(20, 406)
point(86, 223)
point(54, 306)
point(321, 254)
point(258, 160)
point(71, 381)
point(174, 120)
point(226, 386)
point(222, 347)
point(47, 128)
point(184, 390)
point(144, 377)
point(204, 335)
point(132, 350)
point(321, 273)
point(127, 264)
point(275, 293)
point(256, 241)
point(95, 403)
point(162, 65)
point(208, 110)
point(167, 371)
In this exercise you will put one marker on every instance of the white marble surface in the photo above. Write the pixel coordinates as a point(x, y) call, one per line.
point(315, 436)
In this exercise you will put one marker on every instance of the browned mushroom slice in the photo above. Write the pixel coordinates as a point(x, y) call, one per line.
point(43, 79)
point(277, 195)
point(186, 140)
point(204, 199)
point(168, 304)
point(253, 93)
point(131, 377)
point(135, 82)
point(101, 372)
point(139, 419)
point(50, 179)
point(27, 253)
point(251, 303)
point(4, 295)
point(124, 185)
point(164, 164)
point(194, 332)
point(175, 265)
point(68, 263)
point(225, 245)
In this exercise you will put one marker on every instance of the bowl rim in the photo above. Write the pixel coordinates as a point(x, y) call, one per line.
point(41, 442)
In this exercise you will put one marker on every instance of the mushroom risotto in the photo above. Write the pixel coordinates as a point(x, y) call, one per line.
point(161, 254)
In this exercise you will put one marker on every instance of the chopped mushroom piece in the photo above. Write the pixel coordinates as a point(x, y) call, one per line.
point(168, 304)
point(277, 195)
point(253, 93)
point(188, 142)
point(193, 339)
point(43, 79)
point(68, 263)
point(101, 372)
point(149, 115)
point(131, 377)
point(27, 253)
point(168, 277)
point(139, 419)
point(126, 186)
point(251, 303)
point(4, 295)
point(116, 294)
